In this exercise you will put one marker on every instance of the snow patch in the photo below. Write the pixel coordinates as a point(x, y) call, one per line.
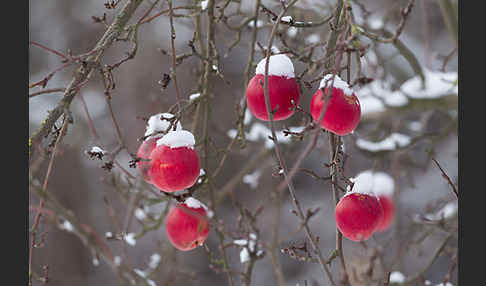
point(448, 211)
point(390, 143)
point(286, 19)
point(252, 179)
point(378, 95)
point(140, 214)
point(96, 149)
point(280, 65)
point(96, 262)
point(375, 23)
point(415, 126)
point(292, 32)
point(117, 260)
point(296, 129)
point(259, 24)
point(274, 50)
point(232, 133)
point(241, 242)
point(194, 96)
point(244, 255)
point(338, 83)
point(140, 273)
point(251, 245)
point(379, 183)
point(260, 131)
point(382, 90)
point(313, 39)
point(154, 260)
point(437, 84)
point(176, 139)
point(209, 213)
point(193, 203)
point(248, 117)
point(397, 277)
point(370, 105)
point(204, 4)
point(159, 123)
point(130, 238)
point(67, 226)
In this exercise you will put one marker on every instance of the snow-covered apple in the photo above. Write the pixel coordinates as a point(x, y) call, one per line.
point(175, 163)
point(358, 215)
point(282, 89)
point(343, 110)
point(187, 225)
point(156, 123)
point(383, 186)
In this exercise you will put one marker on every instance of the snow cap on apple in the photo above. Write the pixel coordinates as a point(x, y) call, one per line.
point(283, 90)
point(279, 65)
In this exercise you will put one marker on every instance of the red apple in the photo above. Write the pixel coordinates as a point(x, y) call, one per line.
point(143, 153)
point(358, 215)
point(343, 110)
point(382, 185)
point(187, 227)
point(175, 163)
point(156, 123)
point(388, 212)
point(282, 89)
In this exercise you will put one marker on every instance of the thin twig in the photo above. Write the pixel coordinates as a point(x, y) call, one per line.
point(277, 150)
point(51, 90)
point(448, 179)
point(37, 218)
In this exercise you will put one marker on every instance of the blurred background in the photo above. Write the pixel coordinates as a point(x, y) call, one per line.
point(391, 104)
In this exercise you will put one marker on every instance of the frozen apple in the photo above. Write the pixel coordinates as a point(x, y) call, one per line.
point(187, 225)
point(383, 186)
point(174, 162)
point(343, 110)
point(157, 125)
point(282, 89)
point(358, 215)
